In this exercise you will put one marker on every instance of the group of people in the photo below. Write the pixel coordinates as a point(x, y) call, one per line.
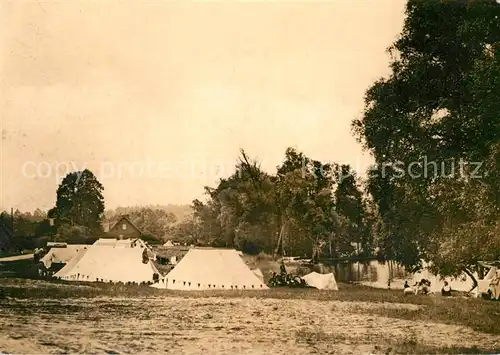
point(423, 287)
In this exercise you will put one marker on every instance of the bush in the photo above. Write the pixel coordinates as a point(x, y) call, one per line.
point(151, 239)
point(264, 257)
point(162, 260)
point(250, 239)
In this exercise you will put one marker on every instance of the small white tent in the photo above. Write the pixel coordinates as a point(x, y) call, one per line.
point(321, 281)
point(62, 255)
point(484, 284)
point(209, 269)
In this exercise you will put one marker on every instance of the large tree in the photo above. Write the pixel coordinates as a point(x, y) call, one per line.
point(240, 210)
point(79, 201)
point(436, 110)
point(350, 204)
point(306, 206)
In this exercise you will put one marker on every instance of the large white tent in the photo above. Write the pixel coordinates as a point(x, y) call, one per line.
point(321, 281)
point(257, 272)
point(209, 269)
point(109, 264)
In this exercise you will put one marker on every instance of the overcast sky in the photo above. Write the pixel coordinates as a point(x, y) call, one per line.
point(165, 86)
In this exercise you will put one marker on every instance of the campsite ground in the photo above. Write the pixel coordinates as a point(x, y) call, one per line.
point(48, 317)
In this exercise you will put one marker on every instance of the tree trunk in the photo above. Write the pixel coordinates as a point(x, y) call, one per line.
point(280, 239)
point(471, 275)
point(330, 246)
point(389, 265)
point(480, 272)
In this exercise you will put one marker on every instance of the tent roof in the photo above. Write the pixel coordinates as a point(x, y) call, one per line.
point(211, 268)
point(111, 264)
point(62, 255)
point(67, 268)
point(321, 281)
point(124, 243)
point(489, 263)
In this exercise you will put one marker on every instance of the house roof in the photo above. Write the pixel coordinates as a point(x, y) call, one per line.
point(126, 218)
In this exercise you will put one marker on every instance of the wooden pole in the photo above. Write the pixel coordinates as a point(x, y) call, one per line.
point(390, 274)
point(283, 244)
point(280, 240)
point(359, 276)
point(12, 220)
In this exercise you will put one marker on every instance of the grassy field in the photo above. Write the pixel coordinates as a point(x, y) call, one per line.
point(50, 317)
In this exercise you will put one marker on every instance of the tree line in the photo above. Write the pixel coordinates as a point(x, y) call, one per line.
point(307, 208)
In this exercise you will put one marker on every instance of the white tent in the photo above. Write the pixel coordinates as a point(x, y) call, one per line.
point(110, 264)
point(206, 269)
point(321, 281)
point(168, 244)
point(62, 255)
point(484, 284)
point(122, 243)
point(67, 268)
point(259, 274)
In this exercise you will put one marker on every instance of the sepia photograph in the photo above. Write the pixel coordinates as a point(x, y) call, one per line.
point(250, 177)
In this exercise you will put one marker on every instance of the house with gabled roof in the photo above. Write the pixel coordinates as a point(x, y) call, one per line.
point(124, 228)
